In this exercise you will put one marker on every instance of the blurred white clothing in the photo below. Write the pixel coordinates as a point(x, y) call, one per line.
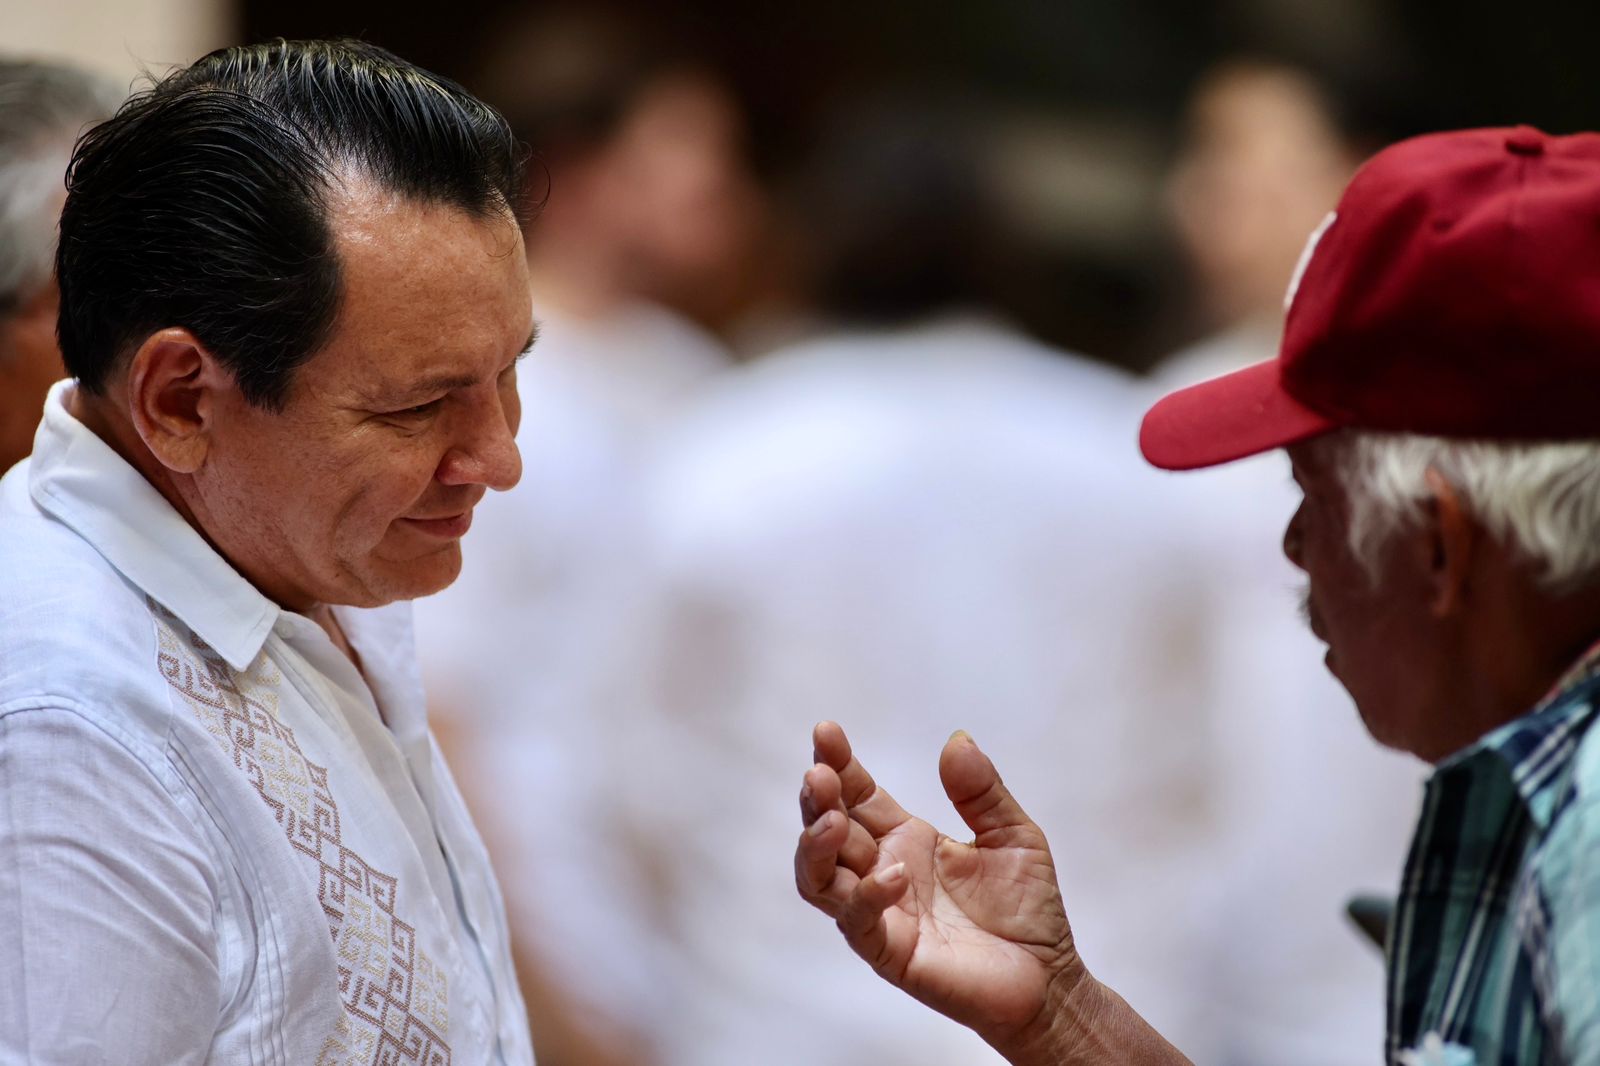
point(1312, 809)
point(527, 652)
point(912, 531)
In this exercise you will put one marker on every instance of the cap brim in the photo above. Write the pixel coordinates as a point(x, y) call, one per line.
point(1237, 415)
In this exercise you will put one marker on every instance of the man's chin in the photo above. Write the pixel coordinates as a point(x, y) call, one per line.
point(413, 579)
point(1395, 733)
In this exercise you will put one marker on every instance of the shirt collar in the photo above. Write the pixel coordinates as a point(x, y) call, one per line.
point(1586, 667)
point(77, 478)
point(1536, 749)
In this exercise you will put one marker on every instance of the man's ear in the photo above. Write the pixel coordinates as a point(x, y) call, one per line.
point(174, 384)
point(1452, 537)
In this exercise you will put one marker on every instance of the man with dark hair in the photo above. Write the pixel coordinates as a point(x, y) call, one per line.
point(1435, 392)
point(43, 107)
point(293, 295)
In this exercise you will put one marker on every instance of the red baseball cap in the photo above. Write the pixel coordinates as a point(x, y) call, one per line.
point(1455, 291)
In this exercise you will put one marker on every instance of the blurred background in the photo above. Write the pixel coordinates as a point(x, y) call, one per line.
point(1087, 97)
point(849, 312)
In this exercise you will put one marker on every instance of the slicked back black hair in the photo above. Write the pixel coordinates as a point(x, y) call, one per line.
point(203, 203)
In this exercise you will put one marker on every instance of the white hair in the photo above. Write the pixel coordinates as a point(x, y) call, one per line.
point(1542, 499)
point(43, 107)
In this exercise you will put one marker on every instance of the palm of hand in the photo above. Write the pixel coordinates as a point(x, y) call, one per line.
point(980, 931)
point(975, 931)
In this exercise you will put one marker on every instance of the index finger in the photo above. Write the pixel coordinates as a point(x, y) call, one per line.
point(868, 804)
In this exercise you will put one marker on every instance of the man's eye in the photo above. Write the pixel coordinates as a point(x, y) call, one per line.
point(421, 410)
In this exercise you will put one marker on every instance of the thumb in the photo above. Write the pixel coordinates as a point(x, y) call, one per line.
point(982, 799)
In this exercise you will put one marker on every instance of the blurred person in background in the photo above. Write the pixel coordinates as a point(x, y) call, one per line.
point(648, 201)
point(647, 214)
point(1314, 811)
point(1267, 148)
point(915, 516)
point(43, 107)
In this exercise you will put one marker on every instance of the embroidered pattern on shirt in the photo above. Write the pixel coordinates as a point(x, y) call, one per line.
point(395, 998)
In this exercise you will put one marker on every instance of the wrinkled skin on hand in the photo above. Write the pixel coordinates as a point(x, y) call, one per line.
point(976, 931)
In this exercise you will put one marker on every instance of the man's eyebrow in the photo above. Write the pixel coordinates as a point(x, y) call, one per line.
point(429, 385)
point(424, 386)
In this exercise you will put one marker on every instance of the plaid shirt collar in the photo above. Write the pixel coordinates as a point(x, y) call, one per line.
point(1536, 747)
point(1469, 955)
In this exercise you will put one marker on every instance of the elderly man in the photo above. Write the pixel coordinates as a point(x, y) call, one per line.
point(1435, 391)
point(292, 299)
point(43, 106)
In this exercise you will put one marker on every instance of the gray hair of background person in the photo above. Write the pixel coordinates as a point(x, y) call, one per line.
point(1542, 497)
point(44, 106)
point(205, 201)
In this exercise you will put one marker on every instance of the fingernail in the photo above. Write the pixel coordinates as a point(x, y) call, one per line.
point(892, 874)
point(963, 735)
point(820, 826)
point(805, 792)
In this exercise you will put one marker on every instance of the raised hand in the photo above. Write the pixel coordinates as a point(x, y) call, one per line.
point(976, 931)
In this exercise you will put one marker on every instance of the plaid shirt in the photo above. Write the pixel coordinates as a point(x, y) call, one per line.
point(1495, 945)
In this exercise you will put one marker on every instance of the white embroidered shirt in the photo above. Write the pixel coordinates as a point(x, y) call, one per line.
point(220, 842)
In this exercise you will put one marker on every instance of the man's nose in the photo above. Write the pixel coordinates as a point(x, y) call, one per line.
point(487, 453)
point(1293, 541)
